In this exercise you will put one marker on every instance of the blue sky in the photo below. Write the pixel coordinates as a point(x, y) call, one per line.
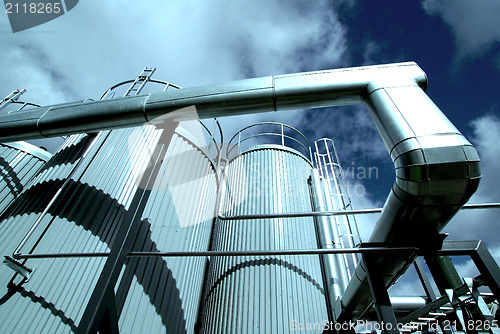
point(99, 43)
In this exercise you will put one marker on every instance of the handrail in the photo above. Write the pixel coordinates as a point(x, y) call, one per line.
point(375, 250)
point(306, 146)
point(337, 212)
point(167, 84)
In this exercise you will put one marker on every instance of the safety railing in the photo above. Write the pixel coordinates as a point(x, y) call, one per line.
point(269, 133)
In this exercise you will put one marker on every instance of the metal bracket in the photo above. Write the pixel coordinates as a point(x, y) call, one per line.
point(19, 268)
point(380, 296)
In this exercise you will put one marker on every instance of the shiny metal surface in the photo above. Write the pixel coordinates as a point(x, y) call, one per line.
point(334, 269)
point(33, 150)
point(282, 92)
point(101, 173)
point(378, 250)
point(180, 218)
point(340, 212)
point(330, 169)
point(437, 170)
point(408, 303)
point(266, 293)
point(272, 133)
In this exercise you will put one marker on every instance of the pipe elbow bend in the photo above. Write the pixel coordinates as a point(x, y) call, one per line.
point(437, 174)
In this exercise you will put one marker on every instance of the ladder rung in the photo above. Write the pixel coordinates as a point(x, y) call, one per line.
point(435, 314)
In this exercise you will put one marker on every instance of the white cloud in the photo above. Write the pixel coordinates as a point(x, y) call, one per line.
point(361, 199)
point(373, 52)
point(407, 285)
point(350, 126)
point(24, 68)
point(479, 224)
point(98, 44)
point(190, 42)
point(473, 224)
point(474, 23)
point(466, 269)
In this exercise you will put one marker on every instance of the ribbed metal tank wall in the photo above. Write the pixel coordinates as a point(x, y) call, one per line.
point(96, 177)
point(164, 293)
point(265, 294)
point(19, 162)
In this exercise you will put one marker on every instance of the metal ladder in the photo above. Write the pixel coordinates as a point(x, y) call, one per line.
point(328, 164)
point(12, 97)
point(139, 82)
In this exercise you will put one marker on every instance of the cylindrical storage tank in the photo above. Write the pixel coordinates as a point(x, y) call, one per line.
point(265, 294)
point(164, 293)
point(19, 163)
point(77, 204)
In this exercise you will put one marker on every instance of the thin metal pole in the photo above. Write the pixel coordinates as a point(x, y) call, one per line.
point(300, 214)
point(282, 136)
point(376, 250)
point(338, 212)
point(93, 138)
point(99, 303)
point(481, 206)
point(382, 303)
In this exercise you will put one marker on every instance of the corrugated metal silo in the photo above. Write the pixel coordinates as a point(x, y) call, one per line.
point(77, 204)
point(265, 294)
point(19, 162)
point(164, 293)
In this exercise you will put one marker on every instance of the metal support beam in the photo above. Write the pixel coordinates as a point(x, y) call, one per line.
point(426, 284)
point(97, 309)
point(109, 324)
point(424, 311)
point(485, 263)
point(444, 273)
point(490, 272)
point(380, 295)
point(447, 280)
point(338, 212)
point(480, 309)
point(375, 250)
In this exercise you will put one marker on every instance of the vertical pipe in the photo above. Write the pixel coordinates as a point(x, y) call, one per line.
point(444, 273)
point(333, 267)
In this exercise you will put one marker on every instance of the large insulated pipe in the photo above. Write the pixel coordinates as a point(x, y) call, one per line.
point(274, 93)
point(437, 169)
